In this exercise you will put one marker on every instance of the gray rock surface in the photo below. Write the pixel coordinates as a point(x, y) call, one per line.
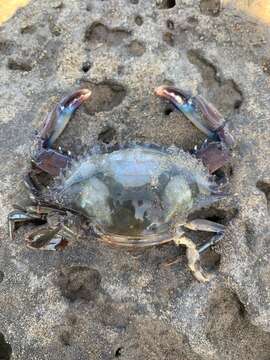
point(94, 302)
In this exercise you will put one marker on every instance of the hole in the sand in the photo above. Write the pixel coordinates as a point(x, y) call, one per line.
point(227, 318)
point(237, 104)
point(168, 110)
point(120, 69)
point(210, 260)
point(169, 38)
point(107, 135)
point(192, 20)
point(86, 66)
point(58, 5)
point(165, 4)
point(19, 65)
point(118, 352)
point(168, 82)
point(250, 235)
point(225, 93)
point(170, 24)
point(241, 308)
point(266, 66)
point(5, 348)
point(210, 7)
point(98, 33)
point(1, 276)
point(220, 176)
point(65, 338)
point(79, 283)
point(264, 186)
point(55, 29)
point(136, 48)
point(105, 95)
point(6, 47)
point(138, 20)
point(220, 216)
point(28, 29)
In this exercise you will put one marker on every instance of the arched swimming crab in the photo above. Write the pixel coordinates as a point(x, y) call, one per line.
point(133, 196)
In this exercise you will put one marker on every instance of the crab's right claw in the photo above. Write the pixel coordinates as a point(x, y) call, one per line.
point(215, 121)
point(215, 151)
point(199, 111)
point(58, 119)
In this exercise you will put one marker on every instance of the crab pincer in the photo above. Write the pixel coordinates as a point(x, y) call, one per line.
point(215, 151)
point(44, 157)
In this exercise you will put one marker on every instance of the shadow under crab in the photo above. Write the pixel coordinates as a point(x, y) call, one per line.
point(133, 196)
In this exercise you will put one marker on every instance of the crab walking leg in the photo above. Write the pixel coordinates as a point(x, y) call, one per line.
point(209, 226)
point(205, 225)
point(19, 216)
point(46, 238)
point(193, 257)
point(202, 225)
point(31, 186)
point(212, 242)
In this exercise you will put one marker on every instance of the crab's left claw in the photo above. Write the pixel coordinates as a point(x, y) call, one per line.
point(58, 119)
point(206, 118)
point(44, 157)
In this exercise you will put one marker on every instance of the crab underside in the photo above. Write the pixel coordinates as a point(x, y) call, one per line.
point(135, 196)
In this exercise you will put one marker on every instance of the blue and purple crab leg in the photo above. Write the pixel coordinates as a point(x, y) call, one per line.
point(208, 226)
point(19, 216)
point(203, 114)
point(43, 237)
point(46, 238)
point(45, 158)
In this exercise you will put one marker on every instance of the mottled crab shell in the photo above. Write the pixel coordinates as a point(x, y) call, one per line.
point(137, 195)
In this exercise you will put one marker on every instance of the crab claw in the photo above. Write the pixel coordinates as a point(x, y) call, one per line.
point(44, 157)
point(199, 111)
point(58, 119)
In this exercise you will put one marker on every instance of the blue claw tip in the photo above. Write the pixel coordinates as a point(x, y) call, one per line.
point(60, 116)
